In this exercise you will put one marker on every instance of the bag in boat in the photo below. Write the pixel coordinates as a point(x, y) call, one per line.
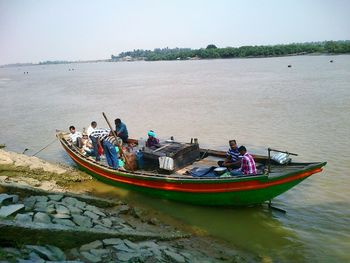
point(166, 163)
point(100, 150)
point(281, 158)
point(203, 172)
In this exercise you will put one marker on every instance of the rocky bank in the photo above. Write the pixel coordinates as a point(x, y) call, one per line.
point(41, 221)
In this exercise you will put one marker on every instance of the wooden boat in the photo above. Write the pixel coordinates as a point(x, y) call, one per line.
point(272, 179)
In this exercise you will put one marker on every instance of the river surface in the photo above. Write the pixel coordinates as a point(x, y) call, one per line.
point(262, 103)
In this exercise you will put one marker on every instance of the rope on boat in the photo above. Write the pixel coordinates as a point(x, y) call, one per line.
point(44, 147)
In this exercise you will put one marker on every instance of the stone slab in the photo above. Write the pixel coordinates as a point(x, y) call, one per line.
point(61, 209)
point(24, 218)
point(92, 245)
point(55, 197)
point(8, 198)
point(48, 252)
point(8, 210)
point(112, 241)
point(41, 217)
point(61, 216)
point(91, 215)
point(82, 221)
point(89, 257)
point(64, 222)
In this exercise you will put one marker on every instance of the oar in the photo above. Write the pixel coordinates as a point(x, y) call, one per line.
point(116, 138)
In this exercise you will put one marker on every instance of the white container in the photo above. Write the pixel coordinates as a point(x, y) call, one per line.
point(141, 143)
point(281, 158)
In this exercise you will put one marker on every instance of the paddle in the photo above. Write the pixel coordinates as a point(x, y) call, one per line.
point(116, 138)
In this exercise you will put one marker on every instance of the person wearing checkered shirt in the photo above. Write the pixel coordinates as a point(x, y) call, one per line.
point(248, 166)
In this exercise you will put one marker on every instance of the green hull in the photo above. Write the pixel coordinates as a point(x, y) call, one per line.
point(238, 198)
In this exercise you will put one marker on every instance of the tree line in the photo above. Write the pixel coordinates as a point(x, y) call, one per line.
point(211, 51)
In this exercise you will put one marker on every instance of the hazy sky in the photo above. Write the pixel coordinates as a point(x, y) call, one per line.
point(40, 30)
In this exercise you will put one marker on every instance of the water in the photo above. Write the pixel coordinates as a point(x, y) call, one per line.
point(260, 102)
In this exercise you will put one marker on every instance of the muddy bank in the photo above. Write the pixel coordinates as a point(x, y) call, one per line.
point(33, 179)
point(32, 171)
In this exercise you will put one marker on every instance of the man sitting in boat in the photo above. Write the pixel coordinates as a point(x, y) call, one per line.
point(75, 137)
point(152, 142)
point(248, 166)
point(233, 159)
point(121, 130)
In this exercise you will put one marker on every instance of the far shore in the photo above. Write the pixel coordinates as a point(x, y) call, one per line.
point(14, 65)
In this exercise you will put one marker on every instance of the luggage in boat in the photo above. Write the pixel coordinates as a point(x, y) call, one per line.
point(139, 160)
point(130, 162)
point(171, 155)
point(281, 158)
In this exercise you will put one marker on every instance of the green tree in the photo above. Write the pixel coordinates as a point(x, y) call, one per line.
point(211, 46)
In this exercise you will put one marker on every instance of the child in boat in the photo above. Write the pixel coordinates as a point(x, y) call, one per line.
point(75, 137)
point(152, 142)
point(87, 145)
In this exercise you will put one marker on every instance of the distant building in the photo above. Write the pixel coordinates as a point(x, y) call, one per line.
point(127, 58)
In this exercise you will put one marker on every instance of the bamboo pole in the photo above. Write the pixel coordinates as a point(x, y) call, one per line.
point(116, 138)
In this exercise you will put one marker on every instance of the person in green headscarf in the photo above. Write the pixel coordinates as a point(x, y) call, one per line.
point(152, 141)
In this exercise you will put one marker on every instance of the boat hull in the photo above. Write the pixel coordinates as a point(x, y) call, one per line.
point(236, 198)
point(233, 191)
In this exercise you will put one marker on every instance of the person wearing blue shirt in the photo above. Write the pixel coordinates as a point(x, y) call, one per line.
point(233, 158)
point(121, 130)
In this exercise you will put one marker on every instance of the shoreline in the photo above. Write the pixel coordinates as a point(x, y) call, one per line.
point(30, 174)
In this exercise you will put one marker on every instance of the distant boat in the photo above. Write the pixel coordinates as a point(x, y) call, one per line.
point(289, 66)
point(272, 179)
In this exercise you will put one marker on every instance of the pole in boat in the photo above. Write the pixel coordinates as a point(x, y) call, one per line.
point(116, 138)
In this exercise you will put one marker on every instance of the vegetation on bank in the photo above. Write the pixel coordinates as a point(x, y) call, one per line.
point(211, 51)
point(39, 175)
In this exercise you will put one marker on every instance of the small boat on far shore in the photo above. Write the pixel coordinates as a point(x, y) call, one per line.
point(165, 174)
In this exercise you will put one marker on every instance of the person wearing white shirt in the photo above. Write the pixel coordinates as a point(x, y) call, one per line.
point(91, 128)
point(96, 137)
point(75, 136)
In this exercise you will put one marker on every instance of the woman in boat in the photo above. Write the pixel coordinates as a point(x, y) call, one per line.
point(152, 142)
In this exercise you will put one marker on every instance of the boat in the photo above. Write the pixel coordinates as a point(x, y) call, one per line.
point(165, 174)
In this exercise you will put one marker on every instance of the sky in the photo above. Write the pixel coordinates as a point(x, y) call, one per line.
point(39, 30)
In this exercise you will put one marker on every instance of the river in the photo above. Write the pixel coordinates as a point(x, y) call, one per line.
point(260, 102)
